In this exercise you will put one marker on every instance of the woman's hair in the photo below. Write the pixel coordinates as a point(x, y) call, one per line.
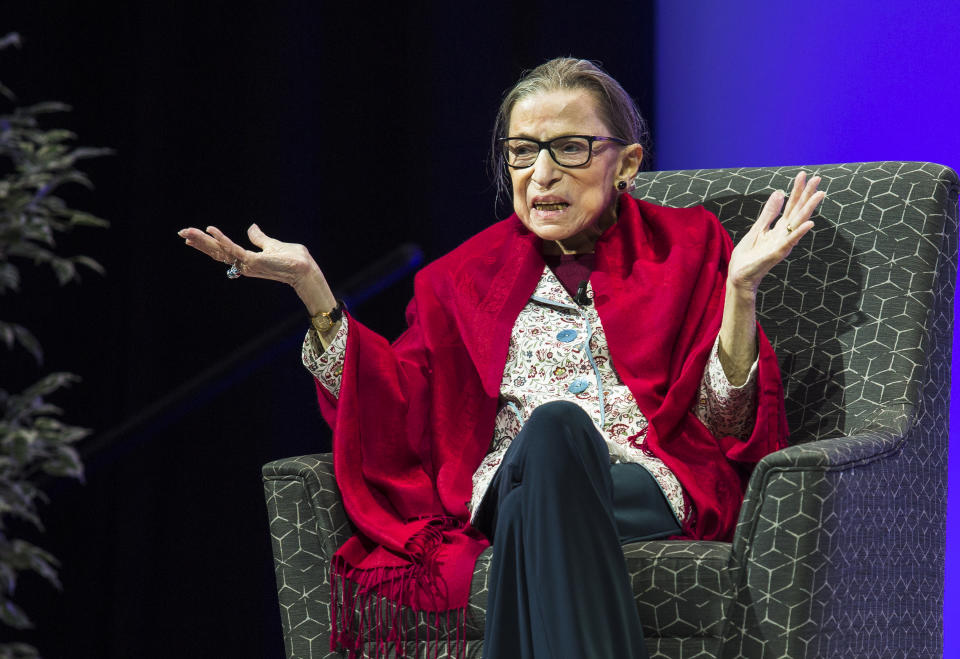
point(617, 110)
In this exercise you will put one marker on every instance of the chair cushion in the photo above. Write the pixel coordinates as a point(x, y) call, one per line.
point(682, 588)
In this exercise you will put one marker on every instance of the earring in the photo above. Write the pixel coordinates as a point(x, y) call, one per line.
point(621, 185)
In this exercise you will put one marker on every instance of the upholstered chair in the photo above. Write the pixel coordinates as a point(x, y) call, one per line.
point(839, 550)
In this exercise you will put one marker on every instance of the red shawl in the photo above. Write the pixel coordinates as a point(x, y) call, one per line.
point(414, 419)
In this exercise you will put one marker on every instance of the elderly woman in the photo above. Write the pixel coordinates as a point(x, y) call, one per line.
point(586, 373)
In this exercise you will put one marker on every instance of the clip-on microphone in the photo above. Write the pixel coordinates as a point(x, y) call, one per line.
point(581, 297)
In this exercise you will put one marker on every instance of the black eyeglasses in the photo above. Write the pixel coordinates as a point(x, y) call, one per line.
point(566, 150)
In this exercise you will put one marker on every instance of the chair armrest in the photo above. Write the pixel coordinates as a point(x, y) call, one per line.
point(302, 487)
point(813, 522)
point(881, 437)
point(796, 472)
point(307, 525)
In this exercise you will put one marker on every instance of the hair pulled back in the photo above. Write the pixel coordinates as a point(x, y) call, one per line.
point(614, 105)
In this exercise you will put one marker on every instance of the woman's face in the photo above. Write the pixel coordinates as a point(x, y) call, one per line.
point(566, 203)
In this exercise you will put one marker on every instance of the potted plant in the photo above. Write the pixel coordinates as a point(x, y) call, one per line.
point(35, 445)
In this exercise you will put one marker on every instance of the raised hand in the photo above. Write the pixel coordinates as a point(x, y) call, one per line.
point(764, 245)
point(288, 263)
point(279, 261)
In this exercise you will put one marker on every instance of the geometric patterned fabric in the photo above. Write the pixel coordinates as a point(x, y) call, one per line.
point(840, 546)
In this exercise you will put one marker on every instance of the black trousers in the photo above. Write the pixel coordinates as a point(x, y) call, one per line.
point(557, 513)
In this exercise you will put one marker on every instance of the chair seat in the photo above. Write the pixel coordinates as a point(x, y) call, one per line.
point(682, 590)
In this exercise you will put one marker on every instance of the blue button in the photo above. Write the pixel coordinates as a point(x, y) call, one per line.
point(578, 385)
point(566, 335)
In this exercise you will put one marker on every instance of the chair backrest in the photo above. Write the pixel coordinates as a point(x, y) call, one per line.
point(858, 309)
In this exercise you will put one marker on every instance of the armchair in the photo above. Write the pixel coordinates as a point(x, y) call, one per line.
point(840, 546)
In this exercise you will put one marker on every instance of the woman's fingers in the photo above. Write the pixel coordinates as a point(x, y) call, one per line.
point(767, 244)
point(807, 193)
point(769, 212)
point(799, 182)
point(804, 209)
point(258, 237)
point(221, 238)
point(205, 243)
point(232, 251)
point(810, 205)
point(275, 260)
point(802, 203)
point(215, 244)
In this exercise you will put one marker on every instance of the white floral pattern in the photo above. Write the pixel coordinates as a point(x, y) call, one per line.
point(326, 365)
point(558, 351)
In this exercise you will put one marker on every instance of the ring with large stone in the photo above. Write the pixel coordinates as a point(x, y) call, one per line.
point(234, 271)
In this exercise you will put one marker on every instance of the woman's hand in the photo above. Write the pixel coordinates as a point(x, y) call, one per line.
point(764, 246)
point(283, 262)
point(288, 263)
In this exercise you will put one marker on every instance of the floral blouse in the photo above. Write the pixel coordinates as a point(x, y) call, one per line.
point(558, 351)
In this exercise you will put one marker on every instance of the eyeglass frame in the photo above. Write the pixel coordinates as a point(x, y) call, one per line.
point(546, 145)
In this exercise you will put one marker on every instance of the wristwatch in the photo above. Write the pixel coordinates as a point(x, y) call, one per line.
point(324, 320)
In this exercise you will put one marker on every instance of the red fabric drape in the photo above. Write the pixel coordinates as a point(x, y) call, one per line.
point(414, 419)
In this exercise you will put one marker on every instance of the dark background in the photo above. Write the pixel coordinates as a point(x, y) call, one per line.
point(348, 130)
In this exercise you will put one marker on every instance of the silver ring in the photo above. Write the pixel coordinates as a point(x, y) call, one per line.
point(234, 271)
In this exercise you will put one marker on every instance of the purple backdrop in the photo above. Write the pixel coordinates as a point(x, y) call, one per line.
point(760, 83)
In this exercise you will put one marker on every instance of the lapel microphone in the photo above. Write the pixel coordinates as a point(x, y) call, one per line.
point(581, 297)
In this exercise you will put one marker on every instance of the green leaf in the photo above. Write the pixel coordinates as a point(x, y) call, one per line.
point(68, 160)
point(71, 434)
point(43, 407)
point(31, 251)
point(32, 180)
point(25, 514)
point(64, 269)
point(56, 135)
point(18, 651)
point(39, 231)
point(52, 151)
point(21, 494)
point(17, 201)
point(45, 107)
point(8, 578)
point(71, 176)
point(48, 424)
point(20, 446)
point(7, 335)
point(90, 263)
point(9, 277)
point(13, 616)
point(38, 560)
point(65, 463)
point(19, 500)
point(50, 383)
point(85, 152)
point(26, 147)
point(28, 342)
point(88, 220)
point(19, 123)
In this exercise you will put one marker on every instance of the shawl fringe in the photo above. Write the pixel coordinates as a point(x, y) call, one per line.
point(373, 611)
